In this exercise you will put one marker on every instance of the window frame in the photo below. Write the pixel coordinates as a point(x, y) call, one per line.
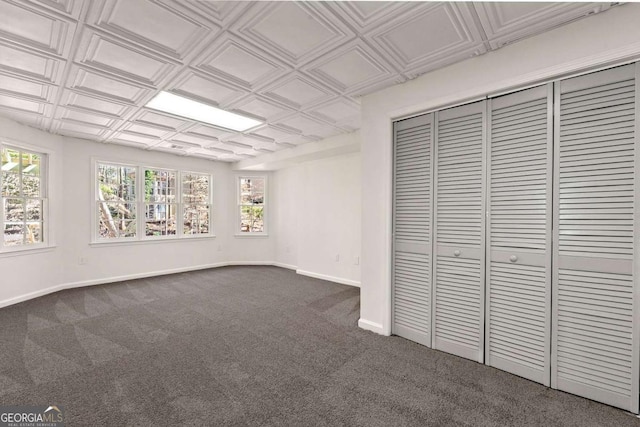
point(239, 205)
point(141, 203)
point(45, 179)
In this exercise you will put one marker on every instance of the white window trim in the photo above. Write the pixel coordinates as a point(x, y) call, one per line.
point(141, 237)
point(252, 234)
point(45, 175)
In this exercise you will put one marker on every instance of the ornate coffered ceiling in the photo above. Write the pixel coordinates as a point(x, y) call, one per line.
point(87, 68)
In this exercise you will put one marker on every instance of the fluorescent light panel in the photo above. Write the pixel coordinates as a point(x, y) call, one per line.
point(194, 110)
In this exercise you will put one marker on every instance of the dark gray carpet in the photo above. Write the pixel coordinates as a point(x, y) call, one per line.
point(252, 346)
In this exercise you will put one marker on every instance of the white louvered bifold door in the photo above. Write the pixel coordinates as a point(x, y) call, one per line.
point(518, 316)
point(412, 229)
point(459, 231)
point(595, 311)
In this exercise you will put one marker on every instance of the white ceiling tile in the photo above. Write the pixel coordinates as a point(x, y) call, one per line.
point(221, 12)
point(113, 56)
point(341, 110)
point(81, 116)
point(146, 23)
point(92, 104)
point(261, 108)
point(366, 15)
point(352, 69)
point(409, 38)
point(296, 31)
point(21, 104)
point(309, 126)
point(35, 28)
point(157, 119)
point(96, 83)
point(235, 61)
point(204, 131)
point(297, 92)
point(205, 88)
point(28, 63)
point(147, 130)
point(196, 140)
point(81, 129)
point(281, 135)
point(505, 22)
point(21, 87)
point(68, 7)
point(134, 137)
point(35, 120)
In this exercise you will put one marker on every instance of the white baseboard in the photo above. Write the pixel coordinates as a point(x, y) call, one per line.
point(287, 266)
point(329, 278)
point(249, 263)
point(141, 275)
point(102, 281)
point(30, 295)
point(371, 326)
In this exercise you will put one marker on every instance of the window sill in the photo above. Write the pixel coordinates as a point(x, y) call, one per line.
point(26, 251)
point(251, 235)
point(187, 238)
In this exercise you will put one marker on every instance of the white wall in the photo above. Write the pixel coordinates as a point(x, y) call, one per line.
point(108, 261)
point(29, 274)
point(600, 40)
point(318, 215)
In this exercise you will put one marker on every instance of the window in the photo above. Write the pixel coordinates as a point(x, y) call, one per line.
point(196, 203)
point(252, 204)
point(164, 196)
point(24, 200)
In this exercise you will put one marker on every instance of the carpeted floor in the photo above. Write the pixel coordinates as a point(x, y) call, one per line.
point(252, 346)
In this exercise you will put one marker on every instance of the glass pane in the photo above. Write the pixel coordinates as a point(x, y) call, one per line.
point(10, 160)
point(257, 219)
point(31, 186)
point(10, 184)
point(116, 183)
point(195, 188)
point(115, 218)
point(160, 219)
point(203, 219)
point(31, 164)
point(127, 228)
point(190, 219)
point(34, 210)
point(13, 211)
point(34, 232)
point(13, 234)
point(252, 191)
point(245, 219)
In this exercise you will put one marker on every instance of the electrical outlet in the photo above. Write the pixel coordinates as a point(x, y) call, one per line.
point(356, 261)
point(219, 248)
point(288, 249)
point(83, 261)
point(338, 258)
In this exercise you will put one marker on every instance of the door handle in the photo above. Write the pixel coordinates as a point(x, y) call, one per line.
point(513, 258)
point(457, 252)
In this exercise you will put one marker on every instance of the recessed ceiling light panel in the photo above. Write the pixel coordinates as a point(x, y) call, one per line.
point(198, 111)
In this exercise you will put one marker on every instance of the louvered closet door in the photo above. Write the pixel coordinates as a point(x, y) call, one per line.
point(412, 229)
point(459, 253)
point(595, 313)
point(518, 317)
